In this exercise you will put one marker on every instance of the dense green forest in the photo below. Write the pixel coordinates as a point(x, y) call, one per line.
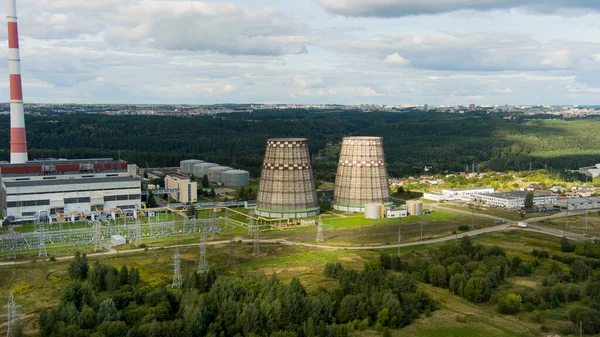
point(104, 301)
point(448, 142)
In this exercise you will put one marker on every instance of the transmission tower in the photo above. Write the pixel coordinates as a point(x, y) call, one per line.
point(251, 224)
point(214, 227)
point(320, 231)
point(97, 235)
point(256, 236)
point(11, 314)
point(12, 247)
point(203, 264)
point(231, 257)
point(42, 251)
point(176, 269)
point(138, 233)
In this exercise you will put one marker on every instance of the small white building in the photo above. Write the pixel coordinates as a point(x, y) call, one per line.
point(435, 196)
point(516, 200)
point(396, 213)
point(117, 240)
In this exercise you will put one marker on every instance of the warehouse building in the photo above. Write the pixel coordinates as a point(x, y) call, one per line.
point(67, 186)
point(188, 190)
point(516, 200)
point(466, 192)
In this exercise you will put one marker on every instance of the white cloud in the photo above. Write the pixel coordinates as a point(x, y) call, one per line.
point(396, 59)
point(309, 82)
point(399, 8)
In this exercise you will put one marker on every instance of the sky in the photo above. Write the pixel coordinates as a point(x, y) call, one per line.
point(391, 52)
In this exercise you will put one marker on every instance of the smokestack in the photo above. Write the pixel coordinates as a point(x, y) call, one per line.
point(18, 143)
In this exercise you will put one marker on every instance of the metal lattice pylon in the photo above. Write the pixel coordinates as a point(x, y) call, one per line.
point(11, 314)
point(203, 263)
point(42, 251)
point(320, 238)
point(256, 237)
point(177, 269)
point(231, 254)
point(97, 236)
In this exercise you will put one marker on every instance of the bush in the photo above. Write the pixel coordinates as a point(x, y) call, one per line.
point(463, 228)
point(510, 305)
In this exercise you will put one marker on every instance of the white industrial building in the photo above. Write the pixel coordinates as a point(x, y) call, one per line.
point(188, 190)
point(67, 186)
point(593, 171)
point(516, 200)
point(579, 204)
point(466, 192)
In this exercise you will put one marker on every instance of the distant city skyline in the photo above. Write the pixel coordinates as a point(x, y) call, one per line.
point(436, 52)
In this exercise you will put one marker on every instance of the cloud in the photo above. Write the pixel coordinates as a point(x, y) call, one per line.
point(400, 8)
point(396, 59)
point(470, 51)
point(216, 27)
point(309, 82)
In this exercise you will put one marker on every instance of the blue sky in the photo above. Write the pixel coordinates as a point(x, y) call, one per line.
point(310, 51)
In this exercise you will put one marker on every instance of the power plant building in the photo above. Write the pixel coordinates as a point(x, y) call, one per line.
point(187, 166)
point(362, 175)
point(63, 186)
point(287, 188)
point(233, 178)
point(188, 190)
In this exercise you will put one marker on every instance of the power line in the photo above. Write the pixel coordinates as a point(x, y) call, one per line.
point(177, 269)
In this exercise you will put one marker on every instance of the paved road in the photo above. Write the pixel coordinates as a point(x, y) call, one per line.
point(479, 215)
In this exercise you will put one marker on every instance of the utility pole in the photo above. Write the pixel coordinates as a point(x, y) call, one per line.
point(256, 236)
point(399, 236)
point(176, 269)
point(320, 238)
point(203, 263)
point(11, 314)
point(42, 251)
point(231, 255)
point(421, 230)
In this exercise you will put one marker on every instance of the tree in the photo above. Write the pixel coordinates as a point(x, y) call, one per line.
point(134, 276)
point(123, 276)
point(151, 200)
point(242, 195)
point(97, 277)
point(212, 192)
point(511, 304)
point(205, 181)
point(107, 311)
point(529, 201)
point(191, 212)
point(589, 318)
point(78, 269)
point(580, 270)
point(565, 246)
point(87, 318)
point(437, 275)
point(477, 290)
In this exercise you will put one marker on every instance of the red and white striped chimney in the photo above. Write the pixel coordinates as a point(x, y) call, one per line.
point(18, 143)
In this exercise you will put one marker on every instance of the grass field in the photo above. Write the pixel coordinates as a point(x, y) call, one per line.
point(576, 224)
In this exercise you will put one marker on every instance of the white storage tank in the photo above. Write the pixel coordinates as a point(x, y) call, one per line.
point(373, 211)
point(201, 170)
point(234, 178)
point(214, 173)
point(414, 207)
point(187, 166)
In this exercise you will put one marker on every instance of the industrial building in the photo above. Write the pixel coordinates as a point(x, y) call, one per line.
point(414, 207)
point(467, 192)
point(188, 190)
point(233, 178)
point(187, 166)
point(67, 186)
point(287, 188)
point(361, 175)
point(516, 200)
point(214, 173)
point(579, 204)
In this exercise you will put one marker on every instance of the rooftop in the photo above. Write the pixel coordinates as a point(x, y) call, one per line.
point(54, 182)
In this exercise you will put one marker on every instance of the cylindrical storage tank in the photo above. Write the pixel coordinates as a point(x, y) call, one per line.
point(201, 169)
point(361, 175)
point(373, 211)
point(214, 173)
point(234, 178)
point(187, 166)
point(287, 188)
point(414, 207)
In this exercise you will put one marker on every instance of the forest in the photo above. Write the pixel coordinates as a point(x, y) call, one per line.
point(412, 139)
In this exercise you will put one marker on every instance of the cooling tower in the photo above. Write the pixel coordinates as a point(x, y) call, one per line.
point(362, 175)
point(287, 188)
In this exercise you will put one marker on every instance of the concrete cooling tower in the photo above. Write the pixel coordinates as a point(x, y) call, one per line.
point(362, 175)
point(287, 188)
